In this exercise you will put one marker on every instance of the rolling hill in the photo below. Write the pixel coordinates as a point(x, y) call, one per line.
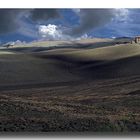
point(71, 88)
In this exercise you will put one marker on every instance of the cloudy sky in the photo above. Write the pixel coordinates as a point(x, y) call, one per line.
point(62, 24)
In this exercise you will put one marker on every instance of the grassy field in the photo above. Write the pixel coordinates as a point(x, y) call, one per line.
point(70, 89)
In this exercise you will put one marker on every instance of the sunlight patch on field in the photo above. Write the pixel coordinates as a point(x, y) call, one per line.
point(6, 52)
point(106, 53)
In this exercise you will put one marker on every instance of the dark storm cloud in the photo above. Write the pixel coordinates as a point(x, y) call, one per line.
point(8, 20)
point(40, 15)
point(11, 19)
point(92, 18)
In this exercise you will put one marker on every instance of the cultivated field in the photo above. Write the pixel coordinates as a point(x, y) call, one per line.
point(81, 86)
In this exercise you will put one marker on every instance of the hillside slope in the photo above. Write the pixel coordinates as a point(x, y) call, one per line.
point(70, 89)
point(63, 65)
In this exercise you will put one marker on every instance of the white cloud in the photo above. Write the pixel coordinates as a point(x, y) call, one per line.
point(50, 32)
point(18, 42)
point(85, 36)
point(122, 14)
point(53, 32)
point(76, 10)
point(113, 37)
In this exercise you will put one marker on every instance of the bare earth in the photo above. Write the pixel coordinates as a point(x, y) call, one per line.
point(70, 89)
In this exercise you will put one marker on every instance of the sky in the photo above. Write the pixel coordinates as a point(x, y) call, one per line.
point(28, 25)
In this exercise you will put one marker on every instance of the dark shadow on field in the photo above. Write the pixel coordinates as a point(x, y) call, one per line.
point(99, 69)
point(68, 59)
point(112, 69)
point(37, 85)
point(87, 70)
point(27, 49)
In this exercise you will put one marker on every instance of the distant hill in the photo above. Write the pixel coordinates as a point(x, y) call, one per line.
point(123, 39)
